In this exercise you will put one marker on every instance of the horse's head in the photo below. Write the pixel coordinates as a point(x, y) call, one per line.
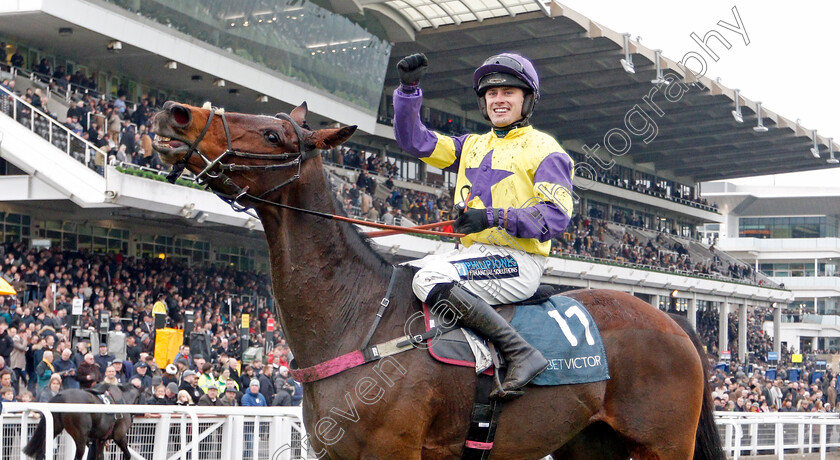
point(233, 152)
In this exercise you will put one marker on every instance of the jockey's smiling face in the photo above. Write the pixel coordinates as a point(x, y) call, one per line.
point(504, 105)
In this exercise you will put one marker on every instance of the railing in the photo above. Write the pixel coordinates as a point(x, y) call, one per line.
point(778, 434)
point(277, 433)
point(51, 130)
point(52, 84)
point(169, 432)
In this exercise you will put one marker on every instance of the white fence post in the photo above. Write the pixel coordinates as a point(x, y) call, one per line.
point(162, 437)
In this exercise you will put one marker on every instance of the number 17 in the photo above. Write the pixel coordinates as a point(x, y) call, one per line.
point(564, 325)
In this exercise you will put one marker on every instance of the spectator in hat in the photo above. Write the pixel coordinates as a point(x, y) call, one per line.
point(285, 387)
point(104, 358)
point(229, 398)
point(189, 383)
point(119, 368)
point(171, 374)
point(172, 393)
point(211, 398)
point(253, 397)
point(88, 372)
point(141, 370)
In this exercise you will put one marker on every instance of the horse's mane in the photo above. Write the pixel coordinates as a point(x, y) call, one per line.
point(356, 239)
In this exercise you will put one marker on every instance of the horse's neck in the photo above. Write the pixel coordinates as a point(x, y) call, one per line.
point(327, 283)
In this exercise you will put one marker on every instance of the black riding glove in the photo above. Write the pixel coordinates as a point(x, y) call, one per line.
point(411, 69)
point(472, 221)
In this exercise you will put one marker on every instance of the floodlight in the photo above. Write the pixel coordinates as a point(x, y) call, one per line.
point(171, 65)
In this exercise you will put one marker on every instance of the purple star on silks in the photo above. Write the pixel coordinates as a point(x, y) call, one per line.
point(483, 177)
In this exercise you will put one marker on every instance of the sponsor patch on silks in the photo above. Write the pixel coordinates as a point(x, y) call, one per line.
point(485, 268)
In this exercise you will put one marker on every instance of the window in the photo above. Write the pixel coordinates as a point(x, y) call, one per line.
point(786, 227)
point(14, 227)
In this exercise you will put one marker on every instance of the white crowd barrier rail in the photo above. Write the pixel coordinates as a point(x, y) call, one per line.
point(169, 432)
point(779, 434)
point(277, 433)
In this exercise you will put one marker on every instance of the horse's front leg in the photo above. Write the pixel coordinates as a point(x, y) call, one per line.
point(100, 449)
point(91, 449)
point(122, 443)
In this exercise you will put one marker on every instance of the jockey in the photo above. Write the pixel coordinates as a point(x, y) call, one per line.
point(515, 183)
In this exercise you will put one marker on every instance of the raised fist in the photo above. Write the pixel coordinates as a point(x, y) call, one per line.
point(411, 68)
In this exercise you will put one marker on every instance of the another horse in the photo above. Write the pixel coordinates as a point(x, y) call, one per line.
point(91, 430)
point(328, 283)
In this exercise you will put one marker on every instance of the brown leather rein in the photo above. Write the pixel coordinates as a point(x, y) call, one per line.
point(215, 169)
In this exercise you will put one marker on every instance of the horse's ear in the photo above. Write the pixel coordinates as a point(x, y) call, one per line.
point(325, 139)
point(299, 114)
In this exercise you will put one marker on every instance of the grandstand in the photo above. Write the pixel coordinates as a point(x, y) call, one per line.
point(641, 223)
point(640, 215)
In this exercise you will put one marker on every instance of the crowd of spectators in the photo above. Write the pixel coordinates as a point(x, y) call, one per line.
point(655, 189)
point(589, 237)
point(38, 355)
point(362, 160)
point(121, 132)
point(762, 385)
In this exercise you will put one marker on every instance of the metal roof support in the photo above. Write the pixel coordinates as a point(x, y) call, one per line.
point(509, 11)
point(417, 9)
point(831, 160)
point(815, 150)
point(736, 114)
point(627, 62)
point(544, 7)
point(659, 77)
point(446, 10)
point(760, 128)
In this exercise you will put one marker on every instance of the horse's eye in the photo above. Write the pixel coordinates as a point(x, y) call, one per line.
point(272, 137)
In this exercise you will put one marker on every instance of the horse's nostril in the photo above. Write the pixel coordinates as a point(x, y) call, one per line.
point(180, 115)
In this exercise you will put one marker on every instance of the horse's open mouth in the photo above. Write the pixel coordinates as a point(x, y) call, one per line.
point(168, 146)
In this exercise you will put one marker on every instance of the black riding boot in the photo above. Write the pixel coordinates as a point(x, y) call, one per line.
point(524, 362)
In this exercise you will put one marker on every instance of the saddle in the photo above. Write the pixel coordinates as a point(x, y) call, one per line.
point(103, 394)
point(461, 347)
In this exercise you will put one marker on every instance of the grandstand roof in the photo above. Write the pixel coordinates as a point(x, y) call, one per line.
point(586, 92)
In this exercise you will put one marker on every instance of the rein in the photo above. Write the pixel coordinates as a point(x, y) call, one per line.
point(297, 158)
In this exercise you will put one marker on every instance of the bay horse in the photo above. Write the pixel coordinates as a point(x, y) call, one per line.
point(328, 283)
point(92, 430)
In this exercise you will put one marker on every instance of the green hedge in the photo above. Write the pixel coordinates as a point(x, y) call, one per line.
point(157, 177)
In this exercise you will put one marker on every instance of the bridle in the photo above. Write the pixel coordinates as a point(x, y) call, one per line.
point(215, 170)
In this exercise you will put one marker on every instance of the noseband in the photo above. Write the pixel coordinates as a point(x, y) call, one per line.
point(215, 169)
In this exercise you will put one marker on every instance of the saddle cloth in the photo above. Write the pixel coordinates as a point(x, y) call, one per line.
point(559, 326)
